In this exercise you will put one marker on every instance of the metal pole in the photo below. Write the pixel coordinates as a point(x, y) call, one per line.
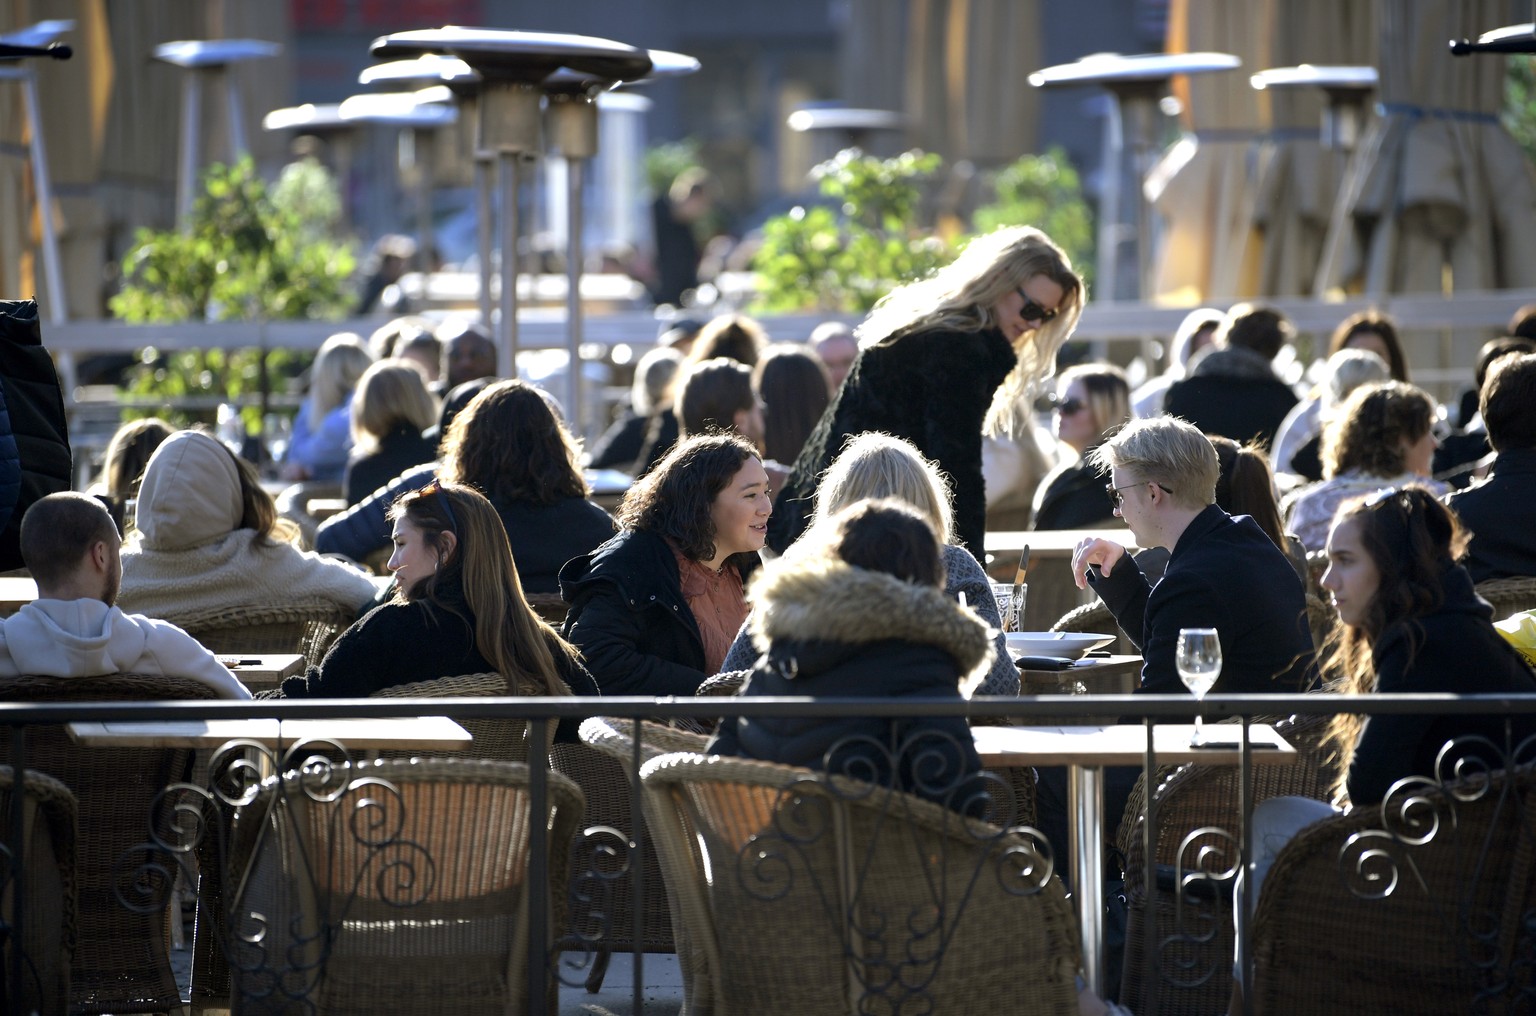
point(507, 327)
point(191, 118)
point(1109, 203)
point(239, 144)
point(484, 228)
point(58, 310)
point(1085, 787)
point(421, 153)
point(573, 326)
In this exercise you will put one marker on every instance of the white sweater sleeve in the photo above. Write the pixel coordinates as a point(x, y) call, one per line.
point(175, 653)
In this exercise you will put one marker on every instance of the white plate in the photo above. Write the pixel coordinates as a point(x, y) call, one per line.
point(1070, 644)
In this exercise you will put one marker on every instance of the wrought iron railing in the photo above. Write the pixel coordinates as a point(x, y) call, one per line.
point(1377, 862)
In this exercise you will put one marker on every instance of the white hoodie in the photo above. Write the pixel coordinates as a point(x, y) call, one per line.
point(87, 638)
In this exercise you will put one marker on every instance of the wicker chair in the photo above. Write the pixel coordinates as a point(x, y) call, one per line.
point(601, 767)
point(423, 907)
point(549, 606)
point(1321, 618)
point(47, 887)
point(121, 962)
point(307, 628)
point(1452, 935)
point(1509, 596)
point(1191, 797)
point(787, 894)
point(504, 740)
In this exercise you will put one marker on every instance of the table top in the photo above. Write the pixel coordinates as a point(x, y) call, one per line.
point(1123, 744)
point(262, 670)
point(1114, 674)
point(15, 592)
point(425, 732)
point(1051, 542)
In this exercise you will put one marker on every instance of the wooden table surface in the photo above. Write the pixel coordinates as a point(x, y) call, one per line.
point(1118, 674)
point(1124, 744)
point(425, 732)
point(15, 592)
point(262, 670)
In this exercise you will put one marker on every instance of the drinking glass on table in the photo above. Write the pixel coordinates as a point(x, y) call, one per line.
point(1199, 663)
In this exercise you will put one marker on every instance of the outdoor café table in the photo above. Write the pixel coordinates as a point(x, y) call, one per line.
point(1116, 674)
point(1085, 751)
point(409, 732)
point(258, 671)
point(1051, 590)
point(16, 591)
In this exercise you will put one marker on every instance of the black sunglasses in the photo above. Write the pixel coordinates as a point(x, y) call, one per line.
point(436, 488)
point(1117, 499)
point(1066, 407)
point(1032, 311)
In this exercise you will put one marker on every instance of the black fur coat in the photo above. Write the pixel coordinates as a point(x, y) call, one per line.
point(931, 387)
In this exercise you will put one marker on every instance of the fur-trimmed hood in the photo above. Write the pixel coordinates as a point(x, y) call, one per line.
point(827, 600)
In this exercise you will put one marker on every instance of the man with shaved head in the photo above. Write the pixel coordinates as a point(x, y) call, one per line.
point(74, 628)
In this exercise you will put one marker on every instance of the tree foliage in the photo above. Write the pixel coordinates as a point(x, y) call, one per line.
point(1043, 191)
point(844, 258)
point(251, 253)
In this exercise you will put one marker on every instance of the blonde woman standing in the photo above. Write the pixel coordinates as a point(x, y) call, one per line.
point(941, 357)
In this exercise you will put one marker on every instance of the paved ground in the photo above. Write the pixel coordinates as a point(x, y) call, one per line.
point(662, 996)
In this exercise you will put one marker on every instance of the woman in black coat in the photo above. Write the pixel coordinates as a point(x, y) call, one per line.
point(389, 411)
point(510, 445)
point(858, 609)
point(935, 356)
point(1091, 401)
point(458, 609)
point(654, 609)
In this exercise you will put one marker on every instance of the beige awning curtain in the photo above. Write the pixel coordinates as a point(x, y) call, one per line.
point(1203, 188)
point(1439, 196)
point(1298, 180)
point(957, 70)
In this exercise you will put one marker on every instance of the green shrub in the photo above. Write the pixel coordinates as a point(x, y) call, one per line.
point(1044, 191)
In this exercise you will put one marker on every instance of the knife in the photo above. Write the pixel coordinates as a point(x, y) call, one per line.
point(1016, 605)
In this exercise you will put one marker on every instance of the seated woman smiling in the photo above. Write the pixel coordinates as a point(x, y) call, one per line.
point(654, 609)
point(458, 608)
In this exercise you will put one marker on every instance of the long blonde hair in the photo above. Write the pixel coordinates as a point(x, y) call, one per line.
point(875, 465)
point(338, 367)
point(960, 296)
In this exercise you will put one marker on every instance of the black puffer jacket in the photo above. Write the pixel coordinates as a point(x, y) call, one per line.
point(831, 630)
point(630, 620)
point(1072, 497)
point(931, 387)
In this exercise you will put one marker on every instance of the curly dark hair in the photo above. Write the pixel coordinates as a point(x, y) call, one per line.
point(510, 446)
point(1369, 431)
point(674, 498)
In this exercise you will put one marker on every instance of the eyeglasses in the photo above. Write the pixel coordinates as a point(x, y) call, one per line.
point(1117, 499)
point(1032, 311)
point(436, 488)
point(1066, 407)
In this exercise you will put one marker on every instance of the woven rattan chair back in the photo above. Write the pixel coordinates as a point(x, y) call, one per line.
point(307, 628)
point(1508, 596)
point(504, 740)
point(1425, 908)
point(1191, 797)
point(549, 606)
point(46, 886)
point(806, 893)
point(121, 962)
point(412, 880)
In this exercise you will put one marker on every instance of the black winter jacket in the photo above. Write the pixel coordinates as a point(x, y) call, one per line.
point(831, 630)
point(629, 618)
point(1072, 497)
point(1500, 512)
point(401, 449)
point(1453, 649)
point(35, 404)
point(931, 387)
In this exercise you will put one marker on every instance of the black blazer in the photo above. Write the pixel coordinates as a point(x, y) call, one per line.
point(1224, 573)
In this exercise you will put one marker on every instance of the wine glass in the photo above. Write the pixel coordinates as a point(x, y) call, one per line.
point(1199, 663)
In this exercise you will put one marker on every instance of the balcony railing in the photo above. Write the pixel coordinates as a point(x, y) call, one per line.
point(1378, 862)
